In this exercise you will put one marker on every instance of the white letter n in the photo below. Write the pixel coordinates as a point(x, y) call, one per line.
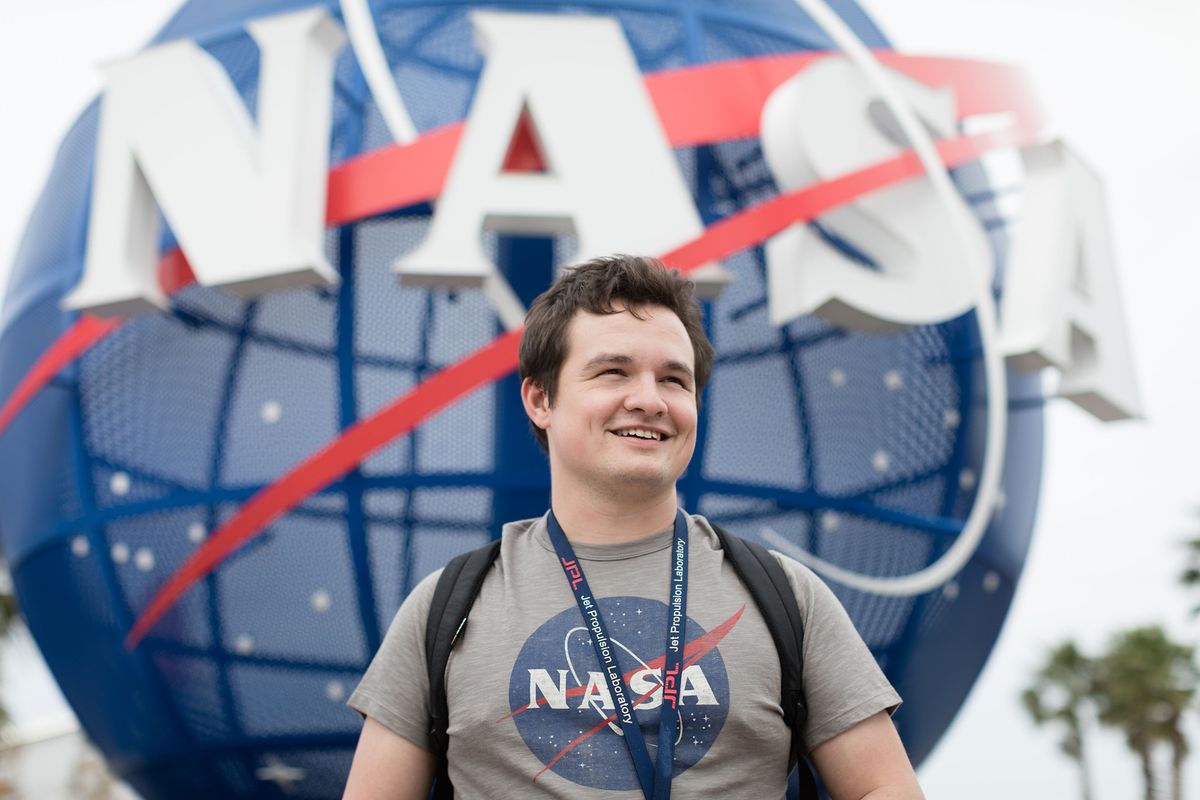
point(556, 695)
point(247, 206)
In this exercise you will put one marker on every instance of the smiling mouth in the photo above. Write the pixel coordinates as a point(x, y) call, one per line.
point(643, 434)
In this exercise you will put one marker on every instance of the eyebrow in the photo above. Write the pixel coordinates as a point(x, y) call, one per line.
point(617, 358)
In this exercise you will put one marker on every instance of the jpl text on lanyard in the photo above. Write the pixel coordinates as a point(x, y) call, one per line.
point(655, 779)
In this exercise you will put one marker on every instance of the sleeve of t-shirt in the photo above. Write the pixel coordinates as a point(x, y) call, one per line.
point(843, 684)
point(395, 689)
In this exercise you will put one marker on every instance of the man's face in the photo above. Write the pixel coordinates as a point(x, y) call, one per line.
point(624, 415)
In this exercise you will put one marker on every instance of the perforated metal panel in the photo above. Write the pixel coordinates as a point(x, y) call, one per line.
point(856, 447)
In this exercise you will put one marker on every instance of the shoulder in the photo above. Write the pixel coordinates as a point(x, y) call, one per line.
point(805, 583)
point(700, 529)
point(515, 536)
point(522, 528)
point(394, 690)
point(417, 603)
point(821, 610)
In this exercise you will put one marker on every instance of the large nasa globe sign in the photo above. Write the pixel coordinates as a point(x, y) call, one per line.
point(257, 363)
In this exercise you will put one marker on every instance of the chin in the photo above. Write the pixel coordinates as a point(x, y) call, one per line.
point(646, 477)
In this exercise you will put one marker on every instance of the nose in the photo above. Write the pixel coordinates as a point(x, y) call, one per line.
point(644, 396)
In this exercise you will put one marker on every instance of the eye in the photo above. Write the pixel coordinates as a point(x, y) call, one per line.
point(677, 380)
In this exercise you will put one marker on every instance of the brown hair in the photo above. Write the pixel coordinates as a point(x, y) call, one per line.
point(606, 285)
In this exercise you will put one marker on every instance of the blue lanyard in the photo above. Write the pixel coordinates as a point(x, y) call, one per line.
point(655, 780)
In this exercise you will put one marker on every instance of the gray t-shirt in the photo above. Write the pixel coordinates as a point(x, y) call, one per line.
point(528, 701)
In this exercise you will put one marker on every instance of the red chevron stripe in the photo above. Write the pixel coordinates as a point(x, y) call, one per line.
point(86, 331)
point(485, 365)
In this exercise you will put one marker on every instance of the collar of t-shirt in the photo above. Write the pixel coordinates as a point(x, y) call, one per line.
point(609, 552)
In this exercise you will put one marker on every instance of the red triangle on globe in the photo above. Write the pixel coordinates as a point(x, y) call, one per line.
point(524, 153)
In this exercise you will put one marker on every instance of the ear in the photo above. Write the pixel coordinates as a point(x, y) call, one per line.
point(536, 402)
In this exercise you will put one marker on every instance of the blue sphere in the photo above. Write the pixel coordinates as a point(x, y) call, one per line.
point(118, 470)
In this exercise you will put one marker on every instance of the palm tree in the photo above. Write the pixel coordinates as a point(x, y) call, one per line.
point(8, 615)
point(1143, 684)
point(1190, 577)
point(1060, 693)
point(8, 611)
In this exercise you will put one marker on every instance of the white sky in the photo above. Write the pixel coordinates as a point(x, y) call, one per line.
point(1119, 81)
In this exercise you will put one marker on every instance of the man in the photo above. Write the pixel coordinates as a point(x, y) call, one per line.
point(613, 361)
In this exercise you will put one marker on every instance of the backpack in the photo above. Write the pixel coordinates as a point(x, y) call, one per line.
point(766, 581)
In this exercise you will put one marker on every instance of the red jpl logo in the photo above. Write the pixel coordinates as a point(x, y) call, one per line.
point(671, 686)
point(572, 572)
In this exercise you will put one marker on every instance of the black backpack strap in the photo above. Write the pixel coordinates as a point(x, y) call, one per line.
point(457, 587)
point(768, 584)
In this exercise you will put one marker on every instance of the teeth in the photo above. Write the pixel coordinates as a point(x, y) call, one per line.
point(641, 434)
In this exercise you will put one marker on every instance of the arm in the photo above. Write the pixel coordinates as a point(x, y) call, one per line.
point(867, 761)
point(388, 767)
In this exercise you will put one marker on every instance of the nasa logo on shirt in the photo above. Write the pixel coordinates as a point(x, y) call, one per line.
point(565, 714)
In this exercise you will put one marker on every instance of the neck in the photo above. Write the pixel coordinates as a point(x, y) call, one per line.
point(592, 519)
